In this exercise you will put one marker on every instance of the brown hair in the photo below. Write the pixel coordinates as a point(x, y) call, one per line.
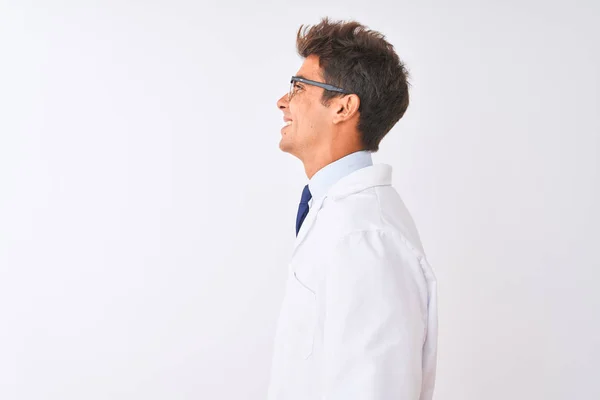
point(359, 60)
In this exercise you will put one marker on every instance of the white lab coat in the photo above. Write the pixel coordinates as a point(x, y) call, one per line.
point(359, 317)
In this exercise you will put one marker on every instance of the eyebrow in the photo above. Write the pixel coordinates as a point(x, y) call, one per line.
point(308, 79)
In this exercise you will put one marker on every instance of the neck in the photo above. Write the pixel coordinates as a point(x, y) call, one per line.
point(320, 160)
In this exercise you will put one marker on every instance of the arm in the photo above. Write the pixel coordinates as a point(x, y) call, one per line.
point(375, 319)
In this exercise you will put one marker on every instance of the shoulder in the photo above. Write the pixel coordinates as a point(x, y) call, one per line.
point(384, 245)
point(377, 213)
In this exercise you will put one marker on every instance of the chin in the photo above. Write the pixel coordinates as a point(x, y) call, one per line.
point(287, 148)
point(283, 146)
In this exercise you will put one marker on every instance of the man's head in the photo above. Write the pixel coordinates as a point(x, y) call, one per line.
point(372, 91)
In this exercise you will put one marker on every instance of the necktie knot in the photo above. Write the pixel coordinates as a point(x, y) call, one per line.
point(306, 195)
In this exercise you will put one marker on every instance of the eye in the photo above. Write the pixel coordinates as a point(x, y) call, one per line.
point(297, 86)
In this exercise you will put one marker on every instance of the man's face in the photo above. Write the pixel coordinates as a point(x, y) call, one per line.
point(309, 120)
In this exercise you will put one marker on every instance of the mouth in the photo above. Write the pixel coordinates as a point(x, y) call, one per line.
point(286, 124)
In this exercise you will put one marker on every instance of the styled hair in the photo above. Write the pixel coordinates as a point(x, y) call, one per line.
point(361, 61)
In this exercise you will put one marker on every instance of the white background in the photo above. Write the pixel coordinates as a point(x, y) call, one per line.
point(147, 213)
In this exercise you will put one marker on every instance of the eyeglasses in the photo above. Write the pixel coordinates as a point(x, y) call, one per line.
point(325, 86)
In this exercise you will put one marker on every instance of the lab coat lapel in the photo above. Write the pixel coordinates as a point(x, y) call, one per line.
point(308, 221)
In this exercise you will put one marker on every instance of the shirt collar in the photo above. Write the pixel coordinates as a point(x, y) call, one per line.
point(327, 176)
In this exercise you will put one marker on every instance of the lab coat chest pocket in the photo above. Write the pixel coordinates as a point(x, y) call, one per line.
point(302, 317)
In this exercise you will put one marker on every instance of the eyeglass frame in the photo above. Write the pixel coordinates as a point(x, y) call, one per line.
point(322, 85)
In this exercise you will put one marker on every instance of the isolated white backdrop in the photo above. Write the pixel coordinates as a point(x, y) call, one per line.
point(147, 214)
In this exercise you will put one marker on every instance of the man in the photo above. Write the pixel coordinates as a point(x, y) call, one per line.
point(359, 318)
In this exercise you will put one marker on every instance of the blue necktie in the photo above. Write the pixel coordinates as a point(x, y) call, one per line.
point(303, 208)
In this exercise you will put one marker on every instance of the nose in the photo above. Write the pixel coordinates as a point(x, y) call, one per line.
point(282, 103)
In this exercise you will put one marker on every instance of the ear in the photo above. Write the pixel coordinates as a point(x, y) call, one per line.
point(345, 107)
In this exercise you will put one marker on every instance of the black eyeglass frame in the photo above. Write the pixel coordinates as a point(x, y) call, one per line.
point(323, 85)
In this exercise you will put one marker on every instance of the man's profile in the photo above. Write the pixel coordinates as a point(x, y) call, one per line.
point(359, 316)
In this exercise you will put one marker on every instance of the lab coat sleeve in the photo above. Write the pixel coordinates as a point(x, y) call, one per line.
point(375, 319)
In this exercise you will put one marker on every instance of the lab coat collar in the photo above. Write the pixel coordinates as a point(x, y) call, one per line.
point(359, 180)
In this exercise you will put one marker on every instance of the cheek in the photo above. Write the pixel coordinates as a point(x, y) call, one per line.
point(303, 116)
point(317, 120)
